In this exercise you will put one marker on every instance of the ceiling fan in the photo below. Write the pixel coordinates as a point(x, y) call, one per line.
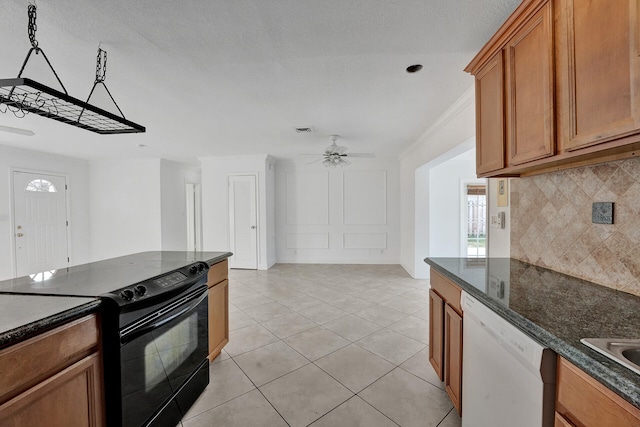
point(336, 155)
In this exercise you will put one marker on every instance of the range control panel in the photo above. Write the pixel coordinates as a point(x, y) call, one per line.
point(183, 277)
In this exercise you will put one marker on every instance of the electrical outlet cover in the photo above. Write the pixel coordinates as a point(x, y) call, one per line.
point(602, 213)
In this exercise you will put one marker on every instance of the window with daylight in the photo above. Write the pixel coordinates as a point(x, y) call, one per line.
point(41, 185)
point(476, 220)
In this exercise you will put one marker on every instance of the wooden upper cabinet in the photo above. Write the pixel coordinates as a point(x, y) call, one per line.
point(490, 116)
point(529, 87)
point(557, 86)
point(598, 71)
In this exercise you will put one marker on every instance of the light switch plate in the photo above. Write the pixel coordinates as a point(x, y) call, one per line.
point(602, 213)
point(497, 220)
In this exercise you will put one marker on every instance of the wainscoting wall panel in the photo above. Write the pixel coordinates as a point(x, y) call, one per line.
point(365, 197)
point(307, 240)
point(343, 215)
point(364, 240)
point(307, 198)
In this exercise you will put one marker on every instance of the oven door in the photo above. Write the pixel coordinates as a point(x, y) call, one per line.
point(163, 361)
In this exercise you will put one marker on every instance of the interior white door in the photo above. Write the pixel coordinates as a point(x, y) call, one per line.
point(243, 222)
point(40, 221)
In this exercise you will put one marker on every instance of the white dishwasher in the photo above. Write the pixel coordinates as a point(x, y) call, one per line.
point(508, 379)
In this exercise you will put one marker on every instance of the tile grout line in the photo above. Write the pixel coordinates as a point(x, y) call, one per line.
point(260, 391)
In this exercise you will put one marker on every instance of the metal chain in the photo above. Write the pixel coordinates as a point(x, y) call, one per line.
point(32, 27)
point(101, 66)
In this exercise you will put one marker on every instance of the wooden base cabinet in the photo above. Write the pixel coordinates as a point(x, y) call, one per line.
point(583, 401)
point(218, 308)
point(445, 335)
point(436, 333)
point(69, 398)
point(54, 379)
point(453, 356)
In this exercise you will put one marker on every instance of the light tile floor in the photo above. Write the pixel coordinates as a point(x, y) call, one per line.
point(325, 345)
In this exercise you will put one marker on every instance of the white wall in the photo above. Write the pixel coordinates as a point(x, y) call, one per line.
point(499, 239)
point(270, 201)
point(215, 202)
point(456, 126)
point(125, 207)
point(446, 202)
point(343, 215)
point(173, 179)
point(76, 170)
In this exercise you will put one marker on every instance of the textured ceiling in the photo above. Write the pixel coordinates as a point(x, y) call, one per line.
point(213, 77)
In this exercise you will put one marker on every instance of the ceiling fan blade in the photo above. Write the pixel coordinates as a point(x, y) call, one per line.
point(314, 161)
point(368, 155)
point(340, 149)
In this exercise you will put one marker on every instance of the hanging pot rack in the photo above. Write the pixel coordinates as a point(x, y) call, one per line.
point(21, 96)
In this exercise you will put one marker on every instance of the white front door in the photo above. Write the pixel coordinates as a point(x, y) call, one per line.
point(40, 221)
point(243, 222)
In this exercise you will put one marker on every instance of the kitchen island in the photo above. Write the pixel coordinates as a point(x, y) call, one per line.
point(78, 317)
point(556, 310)
point(29, 305)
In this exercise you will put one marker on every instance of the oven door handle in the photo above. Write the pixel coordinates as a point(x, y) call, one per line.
point(162, 316)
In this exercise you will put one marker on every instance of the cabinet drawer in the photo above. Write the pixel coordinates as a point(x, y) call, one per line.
point(218, 272)
point(584, 401)
point(448, 290)
point(25, 364)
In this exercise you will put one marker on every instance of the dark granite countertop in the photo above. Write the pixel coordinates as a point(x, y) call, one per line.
point(96, 278)
point(24, 316)
point(555, 309)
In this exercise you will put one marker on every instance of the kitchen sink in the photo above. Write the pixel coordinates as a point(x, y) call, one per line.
point(632, 355)
point(623, 351)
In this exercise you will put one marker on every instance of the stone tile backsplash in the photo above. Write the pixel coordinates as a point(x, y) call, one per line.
point(551, 223)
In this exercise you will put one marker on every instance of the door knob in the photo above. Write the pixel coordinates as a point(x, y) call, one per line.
point(253, 227)
point(19, 234)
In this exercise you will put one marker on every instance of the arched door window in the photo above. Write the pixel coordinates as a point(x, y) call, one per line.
point(41, 185)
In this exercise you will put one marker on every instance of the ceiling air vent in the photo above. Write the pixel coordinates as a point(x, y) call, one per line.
point(304, 130)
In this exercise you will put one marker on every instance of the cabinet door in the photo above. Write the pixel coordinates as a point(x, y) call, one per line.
point(599, 71)
point(529, 72)
point(436, 333)
point(453, 356)
point(585, 401)
point(218, 318)
point(489, 116)
point(72, 397)
point(560, 421)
